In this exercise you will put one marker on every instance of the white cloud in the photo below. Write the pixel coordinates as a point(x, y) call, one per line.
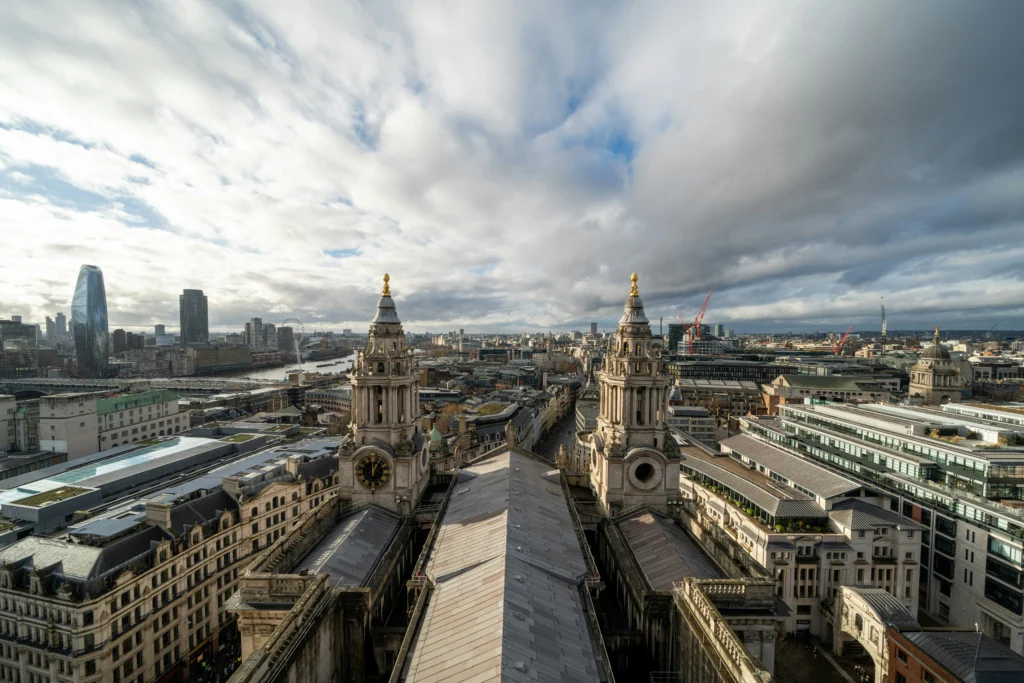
point(510, 163)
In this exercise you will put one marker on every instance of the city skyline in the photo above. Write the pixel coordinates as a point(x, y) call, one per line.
point(281, 161)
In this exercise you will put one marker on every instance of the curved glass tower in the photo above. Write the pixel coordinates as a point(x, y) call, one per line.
point(89, 323)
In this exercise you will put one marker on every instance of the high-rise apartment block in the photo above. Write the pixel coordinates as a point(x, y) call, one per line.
point(194, 317)
point(270, 336)
point(254, 332)
point(118, 339)
point(89, 322)
point(286, 340)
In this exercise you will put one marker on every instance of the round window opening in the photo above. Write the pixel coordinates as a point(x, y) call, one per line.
point(644, 471)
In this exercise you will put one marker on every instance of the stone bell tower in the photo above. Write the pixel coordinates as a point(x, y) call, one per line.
point(386, 458)
point(634, 460)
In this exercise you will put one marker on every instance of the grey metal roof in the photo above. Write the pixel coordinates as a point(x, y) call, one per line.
point(104, 528)
point(201, 510)
point(351, 550)
point(77, 560)
point(774, 498)
point(386, 312)
point(665, 552)
point(809, 475)
point(506, 565)
point(858, 515)
point(833, 545)
point(776, 546)
point(833, 382)
point(961, 653)
point(890, 611)
point(634, 312)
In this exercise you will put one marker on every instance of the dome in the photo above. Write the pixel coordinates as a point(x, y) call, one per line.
point(386, 313)
point(435, 436)
point(936, 351)
point(634, 309)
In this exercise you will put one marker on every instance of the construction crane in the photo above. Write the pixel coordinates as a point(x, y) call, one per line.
point(884, 324)
point(695, 328)
point(838, 348)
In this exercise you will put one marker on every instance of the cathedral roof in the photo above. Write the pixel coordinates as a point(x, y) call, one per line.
point(386, 313)
point(936, 351)
point(634, 311)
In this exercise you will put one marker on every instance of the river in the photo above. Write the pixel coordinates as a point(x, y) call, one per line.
point(281, 372)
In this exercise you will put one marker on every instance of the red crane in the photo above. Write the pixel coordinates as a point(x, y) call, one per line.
point(837, 348)
point(695, 328)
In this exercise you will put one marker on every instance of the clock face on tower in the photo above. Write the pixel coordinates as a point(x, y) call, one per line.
point(373, 471)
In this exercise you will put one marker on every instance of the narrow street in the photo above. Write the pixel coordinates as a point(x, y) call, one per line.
point(562, 433)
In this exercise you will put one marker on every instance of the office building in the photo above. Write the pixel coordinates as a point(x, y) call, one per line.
point(693, 421)
point(68, 424)
point(158, 330)
point(593, 329)
point(62, 324)
point(254, 332)
point(119, 340)
point(729, 369)
point(286, 341)
point(51, 331)
point(89, 323)
point(134, 341)
point(676, 334)
point(194, 317)
point(814, 530)
point(19, 349)
point(140, 590)
point(960, 476)
point(269, 336)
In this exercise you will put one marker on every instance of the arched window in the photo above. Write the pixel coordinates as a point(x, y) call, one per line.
point(255, 512)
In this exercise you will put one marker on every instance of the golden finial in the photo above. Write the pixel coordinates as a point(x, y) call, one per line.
point(387, 288)
point(633, 290)
point(936, 334)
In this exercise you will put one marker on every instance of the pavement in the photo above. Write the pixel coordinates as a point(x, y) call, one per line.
point(800, 659)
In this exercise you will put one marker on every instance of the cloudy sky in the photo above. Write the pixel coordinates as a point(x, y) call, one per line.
point(510, 163)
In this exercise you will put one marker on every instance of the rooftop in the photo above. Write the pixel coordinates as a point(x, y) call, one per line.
point(970, 656)
point(889, 610)
point(507, 567)
point(51, 496)
point(664, 552)
point(114, 404)
point(773, 497)
point(858, 515)
point(802, 472)
point(351, 550)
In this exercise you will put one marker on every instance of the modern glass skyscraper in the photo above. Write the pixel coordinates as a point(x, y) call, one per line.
point(89, 323)
point(195, 318)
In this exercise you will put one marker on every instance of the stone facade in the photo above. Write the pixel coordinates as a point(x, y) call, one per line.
point(386, 461)
point(632, 458)
point(935, 379)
